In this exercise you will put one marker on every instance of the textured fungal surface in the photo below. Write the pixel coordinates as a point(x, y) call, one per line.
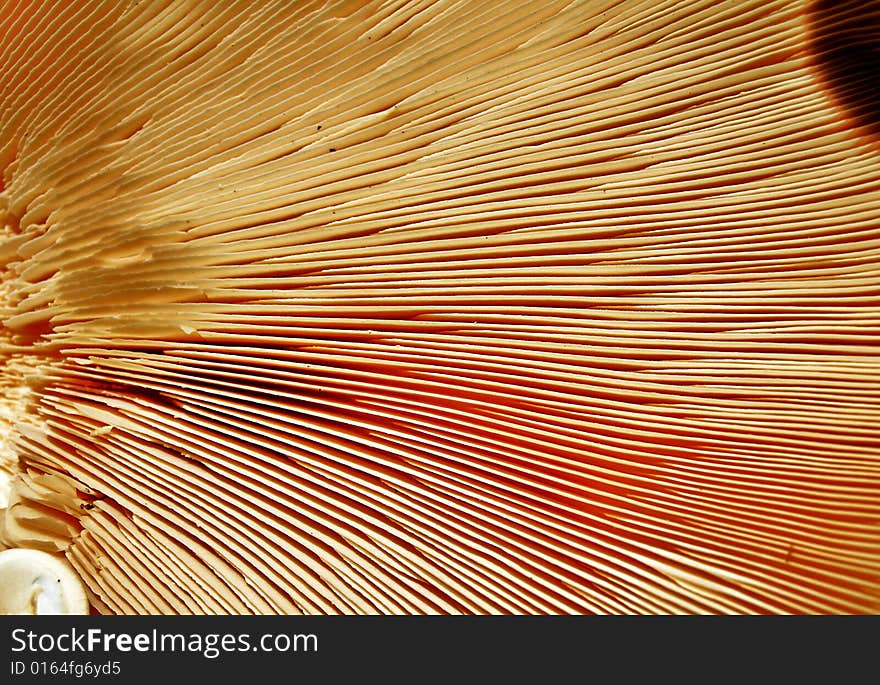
point(443, 306)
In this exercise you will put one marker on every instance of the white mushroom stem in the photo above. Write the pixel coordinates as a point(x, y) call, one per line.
point(34, 582)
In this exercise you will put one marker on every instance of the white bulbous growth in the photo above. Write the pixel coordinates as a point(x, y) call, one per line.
point(38, 583)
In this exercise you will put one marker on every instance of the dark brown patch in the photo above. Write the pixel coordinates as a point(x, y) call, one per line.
point(844, 39)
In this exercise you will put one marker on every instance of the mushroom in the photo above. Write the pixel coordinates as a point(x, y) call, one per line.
point(34, 582)
point(441, 306)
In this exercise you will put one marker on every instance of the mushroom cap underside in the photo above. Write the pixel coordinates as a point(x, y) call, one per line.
point(443, 306)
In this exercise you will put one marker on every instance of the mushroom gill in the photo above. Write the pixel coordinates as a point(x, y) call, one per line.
point(442, 306)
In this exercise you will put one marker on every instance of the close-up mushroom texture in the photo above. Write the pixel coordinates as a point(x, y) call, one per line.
point(443, 306)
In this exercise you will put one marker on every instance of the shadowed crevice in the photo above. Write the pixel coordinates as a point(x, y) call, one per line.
point(844, 40)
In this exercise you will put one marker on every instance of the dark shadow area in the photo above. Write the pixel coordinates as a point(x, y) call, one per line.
point(844, 39)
